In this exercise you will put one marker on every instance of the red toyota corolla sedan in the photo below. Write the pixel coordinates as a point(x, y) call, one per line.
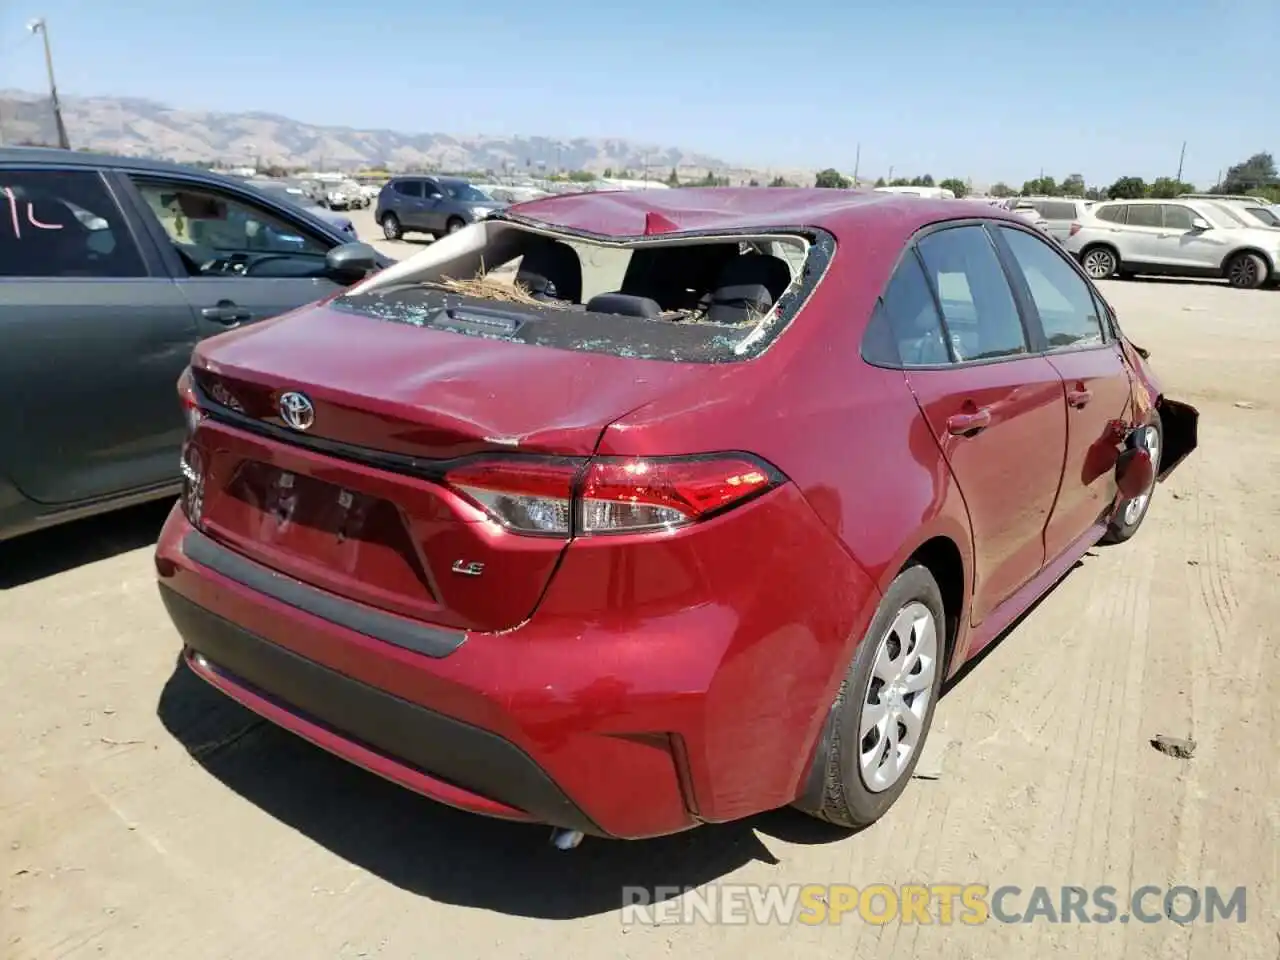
point(687, 518)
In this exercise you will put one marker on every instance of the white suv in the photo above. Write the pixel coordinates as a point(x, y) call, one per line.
point(1190, 238)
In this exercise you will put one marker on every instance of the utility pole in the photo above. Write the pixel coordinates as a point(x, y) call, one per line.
point(857, 163)
point(1181, 156)
point(41, 27)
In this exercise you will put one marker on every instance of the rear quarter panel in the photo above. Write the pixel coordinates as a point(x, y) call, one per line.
point(850, 436)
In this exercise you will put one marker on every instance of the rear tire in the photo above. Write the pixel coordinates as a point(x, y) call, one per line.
point(1100, 262)
point(1130, 514)
point(884, 704)
point(454, 225)
point(1246, 271)
point(391, 228)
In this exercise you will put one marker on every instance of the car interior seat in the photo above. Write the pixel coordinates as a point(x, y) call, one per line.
point(551, 270)
point(676, 277)
point(748, 286)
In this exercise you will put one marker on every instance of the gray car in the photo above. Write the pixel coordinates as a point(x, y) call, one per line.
point(111, 270)
point(434, 205)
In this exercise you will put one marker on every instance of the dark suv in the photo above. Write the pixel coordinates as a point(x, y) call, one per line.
point(434, 205)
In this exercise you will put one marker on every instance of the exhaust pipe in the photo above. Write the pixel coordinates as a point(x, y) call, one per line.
point(563, 839)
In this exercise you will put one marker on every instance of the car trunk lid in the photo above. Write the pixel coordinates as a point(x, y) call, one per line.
point(355, 502)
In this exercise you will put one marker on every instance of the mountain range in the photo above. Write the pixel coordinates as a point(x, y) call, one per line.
point(133, 126)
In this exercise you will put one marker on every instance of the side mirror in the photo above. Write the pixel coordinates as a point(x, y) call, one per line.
point(349, 262)
point(1200, 223)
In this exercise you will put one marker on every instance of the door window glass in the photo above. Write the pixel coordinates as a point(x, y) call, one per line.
point(220, 234)
point(978, 308)
point(905, 327)
point(63, 223)
point(409, 188)
point(1176, 216)
point(1068, 312)
point(1144, 214)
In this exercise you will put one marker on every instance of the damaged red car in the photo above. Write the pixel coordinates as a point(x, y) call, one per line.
point(626, 512)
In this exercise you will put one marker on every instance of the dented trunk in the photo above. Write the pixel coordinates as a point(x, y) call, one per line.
point(354, 500)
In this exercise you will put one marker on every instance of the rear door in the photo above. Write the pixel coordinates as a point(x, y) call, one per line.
point(995, 408)
point(1143, 234)
point(408, 204)
point(1094, 374)
point(238, 258)
point(93, 336)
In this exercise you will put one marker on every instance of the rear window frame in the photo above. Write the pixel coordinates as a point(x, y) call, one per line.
point(639, 338)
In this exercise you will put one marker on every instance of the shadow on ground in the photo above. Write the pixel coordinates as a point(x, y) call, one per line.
point(47, 553)
point(435, 851)
point(449, 856)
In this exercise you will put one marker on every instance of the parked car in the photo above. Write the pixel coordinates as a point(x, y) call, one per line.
point(1032, 216)
point(1251, 211)
point(434, 205)
point(342, 195)
point(1190, 238)
point(296, 194)
point(111, 270)
point(699, 547)
point(1058, 213)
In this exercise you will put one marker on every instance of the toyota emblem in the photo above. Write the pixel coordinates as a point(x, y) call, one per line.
point(296, 410)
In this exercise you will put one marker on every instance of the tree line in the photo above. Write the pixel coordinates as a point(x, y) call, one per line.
point(1255, 176)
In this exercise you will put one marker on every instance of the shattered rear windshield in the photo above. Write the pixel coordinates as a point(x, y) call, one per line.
point(715, 302)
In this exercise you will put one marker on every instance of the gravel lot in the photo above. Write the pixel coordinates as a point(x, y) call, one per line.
point(142, 815)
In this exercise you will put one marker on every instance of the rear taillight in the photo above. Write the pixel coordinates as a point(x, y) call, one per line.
point(191, 461)
point(1075, 228)
point(569, 497)
point(191, 412)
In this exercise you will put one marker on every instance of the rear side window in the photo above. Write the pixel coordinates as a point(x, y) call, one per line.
point(905, 328)
point(1056, 210)
point(1110, 212)
point(978, 309)
point(1144, 214)
point(409, 188)
point(1067, 309)
point(63, 223)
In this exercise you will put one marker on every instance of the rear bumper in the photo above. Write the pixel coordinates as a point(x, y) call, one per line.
point(629, 705)
point(356, 720)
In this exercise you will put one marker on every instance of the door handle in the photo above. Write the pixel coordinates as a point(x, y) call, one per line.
point(1079, 397)
point(226, 312)
point(969, 424)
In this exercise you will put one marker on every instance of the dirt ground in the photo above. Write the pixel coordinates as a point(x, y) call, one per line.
point(142, 815)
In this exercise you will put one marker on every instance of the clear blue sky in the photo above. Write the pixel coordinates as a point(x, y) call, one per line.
point(991, 90)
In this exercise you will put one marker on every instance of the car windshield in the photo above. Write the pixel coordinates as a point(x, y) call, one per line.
point(1230, 216)
point(466, 192)
point(1266, 216)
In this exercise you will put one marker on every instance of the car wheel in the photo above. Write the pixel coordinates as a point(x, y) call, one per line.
point(1100, 263)
point(883, 710)
point(1132, 512)
point(391, 228)
point(454, 225)
point(1246, 271)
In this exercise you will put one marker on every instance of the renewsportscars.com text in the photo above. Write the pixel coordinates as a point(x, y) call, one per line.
point(938, 903)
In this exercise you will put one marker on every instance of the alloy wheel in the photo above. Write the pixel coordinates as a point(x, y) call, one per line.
point(1243, 273)
point(896, 702)
point(1134, 509)
point(1099, 264)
